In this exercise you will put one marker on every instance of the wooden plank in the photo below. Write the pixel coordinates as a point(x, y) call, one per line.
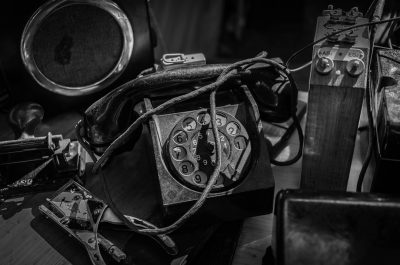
point(337, 84)
point(331, 128)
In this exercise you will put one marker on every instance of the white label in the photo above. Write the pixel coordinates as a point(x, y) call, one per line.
point(340, 54)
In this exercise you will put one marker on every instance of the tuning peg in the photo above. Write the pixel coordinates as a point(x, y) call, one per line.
point(25, 117)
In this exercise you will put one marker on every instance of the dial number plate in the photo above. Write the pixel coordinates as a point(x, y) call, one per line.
point(191, 150)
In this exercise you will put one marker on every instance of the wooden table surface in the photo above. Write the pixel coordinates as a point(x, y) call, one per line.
point(24, 236)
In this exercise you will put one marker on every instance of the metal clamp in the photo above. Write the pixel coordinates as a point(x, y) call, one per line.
point(174, 60)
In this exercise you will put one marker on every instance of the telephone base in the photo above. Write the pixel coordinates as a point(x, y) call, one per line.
point(252, 190)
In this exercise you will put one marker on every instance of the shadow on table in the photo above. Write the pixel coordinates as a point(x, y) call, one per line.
point(12, 206)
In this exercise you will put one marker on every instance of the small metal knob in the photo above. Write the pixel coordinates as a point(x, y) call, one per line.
point(355, 67)
point(324, 65)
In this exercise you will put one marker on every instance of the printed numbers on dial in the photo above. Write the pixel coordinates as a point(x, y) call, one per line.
point(220, 120)
point(192, 150)
point(232, 128)
point(179, 153)
point(180, 137)
point(204, 118)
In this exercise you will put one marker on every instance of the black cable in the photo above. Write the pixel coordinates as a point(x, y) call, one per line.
point(385, 34)
point(368, 155)
point(382, 47)
point(299, 153)
point(370, 8)
point(391, 31)
point(338, 32)
point(395, 46)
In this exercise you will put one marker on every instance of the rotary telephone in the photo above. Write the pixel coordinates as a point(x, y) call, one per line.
point(184, 148)
point(232, 170)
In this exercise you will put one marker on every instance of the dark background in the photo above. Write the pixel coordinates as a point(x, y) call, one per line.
point(224, 30)
point(230, 30)
point(234, 29)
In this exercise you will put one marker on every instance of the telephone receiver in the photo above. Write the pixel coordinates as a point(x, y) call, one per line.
point(109, 116)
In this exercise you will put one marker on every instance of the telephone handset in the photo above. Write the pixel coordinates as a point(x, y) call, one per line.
point(111, 115)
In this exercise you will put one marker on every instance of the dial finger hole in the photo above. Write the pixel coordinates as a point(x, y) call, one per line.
point(186, 168)
point(200, 178)
point(179, 153)
point(189, 124)
point(180, 137)
point(203, 118)
point(240, 143)
point(220, 120)
point(232, 128)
